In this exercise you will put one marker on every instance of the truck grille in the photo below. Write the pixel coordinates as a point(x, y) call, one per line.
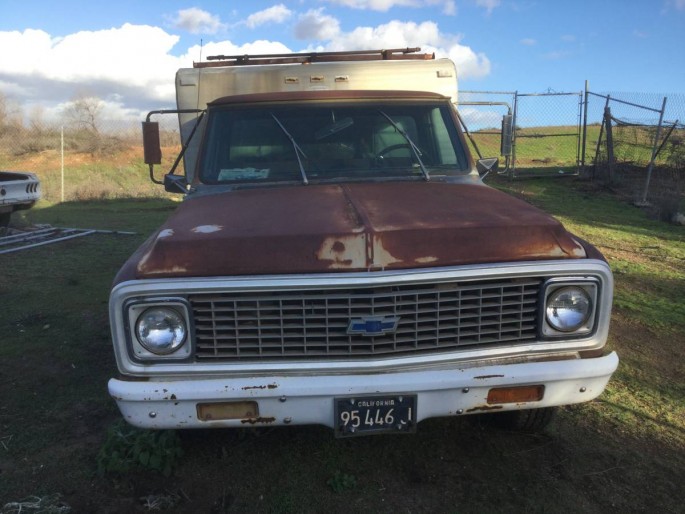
point(313, 324)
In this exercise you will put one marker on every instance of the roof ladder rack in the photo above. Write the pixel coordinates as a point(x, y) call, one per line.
point(215, 61)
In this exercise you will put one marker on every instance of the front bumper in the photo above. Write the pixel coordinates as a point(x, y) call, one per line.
point(307, 400)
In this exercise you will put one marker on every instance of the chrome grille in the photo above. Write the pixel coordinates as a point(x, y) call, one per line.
point(433, 318)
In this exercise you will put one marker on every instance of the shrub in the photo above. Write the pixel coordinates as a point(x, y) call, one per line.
point(128, 448)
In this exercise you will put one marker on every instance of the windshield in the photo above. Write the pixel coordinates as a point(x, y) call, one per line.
point(267, 144)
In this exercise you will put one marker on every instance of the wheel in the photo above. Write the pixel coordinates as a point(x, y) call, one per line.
point(527, 420)
point(5, 219)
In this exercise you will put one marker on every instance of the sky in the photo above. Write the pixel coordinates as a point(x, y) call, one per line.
point(127, 52)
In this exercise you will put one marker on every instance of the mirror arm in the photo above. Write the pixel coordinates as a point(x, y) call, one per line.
point(185, 145)
point(152, 175)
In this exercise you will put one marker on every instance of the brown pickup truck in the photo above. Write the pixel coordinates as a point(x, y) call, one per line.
point(337, 260)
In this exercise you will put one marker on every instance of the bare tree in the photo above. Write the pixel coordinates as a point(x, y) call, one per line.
point(10, 115)
point(37, 119)
point(83, 113)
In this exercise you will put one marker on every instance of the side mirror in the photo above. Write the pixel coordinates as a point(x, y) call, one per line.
point(175, 184)
point(485, 166)
point(152, 149)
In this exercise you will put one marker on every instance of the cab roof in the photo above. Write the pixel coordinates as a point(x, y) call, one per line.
point(294, 96)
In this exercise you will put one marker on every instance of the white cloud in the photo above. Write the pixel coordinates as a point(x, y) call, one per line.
point(556, 55)
point(469, 63)
point(276, 14)
point(314, 24)
point(132, 64)
point(133, 55)
point(397, 34)
point(198, 21)
point(376, 5)
point(528, 42)
point(132, 67)
point(476, 119)
point(229, 48)
point(488, 5)
point(448, 6)
point(569, 38)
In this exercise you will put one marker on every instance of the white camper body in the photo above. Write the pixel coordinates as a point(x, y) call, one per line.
point(198, 86)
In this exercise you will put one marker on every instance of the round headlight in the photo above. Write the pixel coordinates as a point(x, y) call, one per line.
point(161, 330)
point(568, 308)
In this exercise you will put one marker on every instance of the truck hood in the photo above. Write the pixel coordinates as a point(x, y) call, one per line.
point(349, 227)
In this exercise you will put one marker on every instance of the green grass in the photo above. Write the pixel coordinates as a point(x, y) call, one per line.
point(556, 147)
point(622, 453)
point(648, 261)
point(646, 255)
point(93, 177)
point(541, 147)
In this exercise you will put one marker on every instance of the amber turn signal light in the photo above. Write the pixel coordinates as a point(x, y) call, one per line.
point(516, 394)
point(227, 410)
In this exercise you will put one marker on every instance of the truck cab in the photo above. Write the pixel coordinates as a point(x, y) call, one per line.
point(337, 260)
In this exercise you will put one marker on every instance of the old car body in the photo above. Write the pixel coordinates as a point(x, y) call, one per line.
point(18, 191)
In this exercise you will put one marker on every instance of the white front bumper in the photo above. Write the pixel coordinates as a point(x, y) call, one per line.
point(305, 400)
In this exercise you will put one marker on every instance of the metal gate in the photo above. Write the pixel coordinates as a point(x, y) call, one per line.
point(546, 138)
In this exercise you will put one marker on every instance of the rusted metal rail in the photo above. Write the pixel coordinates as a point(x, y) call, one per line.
point(26, 240)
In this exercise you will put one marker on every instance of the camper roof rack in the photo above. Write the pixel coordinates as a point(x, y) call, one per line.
point(215, 61)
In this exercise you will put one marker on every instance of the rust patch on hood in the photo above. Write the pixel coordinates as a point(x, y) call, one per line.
point(350, 227)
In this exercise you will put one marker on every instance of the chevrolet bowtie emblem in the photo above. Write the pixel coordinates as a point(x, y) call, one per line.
point(373, 325)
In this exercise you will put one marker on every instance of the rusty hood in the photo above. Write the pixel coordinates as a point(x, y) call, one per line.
point(348, 227)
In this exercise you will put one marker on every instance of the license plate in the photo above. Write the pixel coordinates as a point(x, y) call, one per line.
point(366, 415)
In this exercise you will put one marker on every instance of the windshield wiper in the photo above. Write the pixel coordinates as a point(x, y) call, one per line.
point(298, 150)
point(415, 149)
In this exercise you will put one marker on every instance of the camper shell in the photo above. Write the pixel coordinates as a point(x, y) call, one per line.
point(336, 71)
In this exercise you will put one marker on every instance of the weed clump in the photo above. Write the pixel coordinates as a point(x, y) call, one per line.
point(128, 448)
point(341, 482)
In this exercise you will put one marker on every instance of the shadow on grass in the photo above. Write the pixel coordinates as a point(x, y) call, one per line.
point(141, 215)
point(584, 203)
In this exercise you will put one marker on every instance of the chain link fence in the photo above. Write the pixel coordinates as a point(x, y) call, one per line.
point(481, 114)
point(81, 154)
point(637, 147)
point(546, 129)
point(641, 155)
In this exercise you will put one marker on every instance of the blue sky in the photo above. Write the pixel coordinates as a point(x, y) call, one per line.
point(126, 52)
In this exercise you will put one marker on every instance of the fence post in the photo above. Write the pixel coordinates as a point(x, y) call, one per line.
point(584, 142)
point(599, 139)
point(610, 142)
point(62, 158)
point(513, 132)
point(654, 151)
